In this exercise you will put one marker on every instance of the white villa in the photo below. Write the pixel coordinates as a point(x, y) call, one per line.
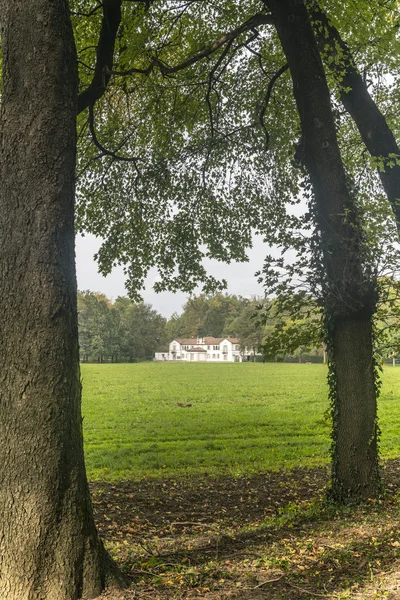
point(206, 349)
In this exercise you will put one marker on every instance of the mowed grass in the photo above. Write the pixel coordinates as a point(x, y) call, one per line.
point(171, 420)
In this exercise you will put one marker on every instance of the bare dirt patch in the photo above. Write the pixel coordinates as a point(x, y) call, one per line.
point(266, 536)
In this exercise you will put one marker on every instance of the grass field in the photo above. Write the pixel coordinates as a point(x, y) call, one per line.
point(167, 420)
point(252, 528)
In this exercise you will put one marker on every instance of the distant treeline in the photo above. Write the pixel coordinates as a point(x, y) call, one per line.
point(118, 331)
point(125, 331)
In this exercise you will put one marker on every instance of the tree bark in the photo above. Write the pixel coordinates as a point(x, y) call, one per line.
point(350, 297)
point(49, 548)
point(356, 468)
point(374, 130)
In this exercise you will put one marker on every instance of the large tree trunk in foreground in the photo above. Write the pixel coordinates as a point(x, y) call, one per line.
point(374, 130)
point(350, 298)
point(49, 549)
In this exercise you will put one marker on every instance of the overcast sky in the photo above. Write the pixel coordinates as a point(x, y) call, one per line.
point(240, 277)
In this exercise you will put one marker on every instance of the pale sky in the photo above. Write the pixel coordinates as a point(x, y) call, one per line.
point(240, 276)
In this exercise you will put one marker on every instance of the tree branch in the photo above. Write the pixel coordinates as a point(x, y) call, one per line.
point(210, 84)
point(103, 149)
point(255, 21)
point(78, 13)
point(104, 54)
point(266, 100)
point(371, 123)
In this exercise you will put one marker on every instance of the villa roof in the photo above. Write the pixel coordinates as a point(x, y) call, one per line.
point(208, 340)
point(197, 350)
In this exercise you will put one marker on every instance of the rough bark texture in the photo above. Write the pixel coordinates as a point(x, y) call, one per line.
point(356, 439)
point(374, 130)
point(49, 549)
point(350, 299)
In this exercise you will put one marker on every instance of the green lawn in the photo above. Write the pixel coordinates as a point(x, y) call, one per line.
point(242, 418)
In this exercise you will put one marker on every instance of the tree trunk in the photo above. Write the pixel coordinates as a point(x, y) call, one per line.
point(349, 296)
point(374, 130)
point(49, 548)
point(355, 436)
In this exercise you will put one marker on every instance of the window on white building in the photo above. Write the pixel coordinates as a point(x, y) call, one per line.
point(225, 349)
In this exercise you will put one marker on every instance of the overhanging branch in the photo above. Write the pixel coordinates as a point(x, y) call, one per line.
point(103, 149)
point(371, 123)
point(105, 52)
point(267, 97)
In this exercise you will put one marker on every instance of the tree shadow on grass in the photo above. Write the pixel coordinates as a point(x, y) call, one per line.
point(267, 536)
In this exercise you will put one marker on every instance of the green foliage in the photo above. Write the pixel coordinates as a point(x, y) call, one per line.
point(207, 148)
point(143, 329)
point(98, 326)
point(211, 315)
point(248, 326)
point(175, 327)
point(198, 179)
point(295, 325)
point(371, 30)
point(119, 331)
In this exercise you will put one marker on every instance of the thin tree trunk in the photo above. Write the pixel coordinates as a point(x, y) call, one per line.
point(49, 548)
point(350, 300)
point(374, 130)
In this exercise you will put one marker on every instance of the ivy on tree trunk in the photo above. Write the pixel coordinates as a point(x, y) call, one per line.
point(350, 295)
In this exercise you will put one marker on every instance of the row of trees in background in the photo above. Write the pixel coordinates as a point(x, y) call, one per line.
point(282, 329)
point(127, 331)
point(118, 331)
point(225, 315)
